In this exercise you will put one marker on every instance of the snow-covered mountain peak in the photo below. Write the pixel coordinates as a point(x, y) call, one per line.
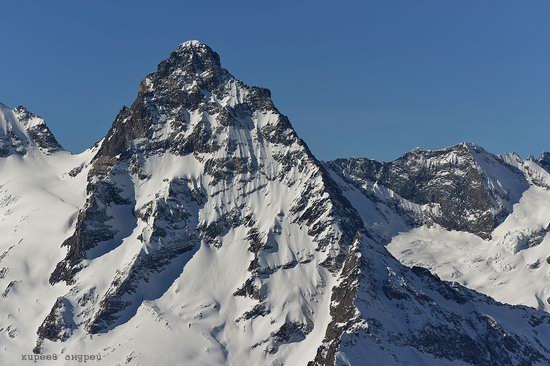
point(22, 132)
point(28, 118)
point(194, 46)
point(202, 175)
point(190, 100)
point(470, 145)
point(543, 160)
point(464, 186)
point(502, 199)
point(193, 58)
point(199, 53)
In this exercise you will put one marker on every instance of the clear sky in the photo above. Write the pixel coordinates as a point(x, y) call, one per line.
point(356, 78)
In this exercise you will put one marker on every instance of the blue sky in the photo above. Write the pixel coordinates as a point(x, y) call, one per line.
point(356, 78)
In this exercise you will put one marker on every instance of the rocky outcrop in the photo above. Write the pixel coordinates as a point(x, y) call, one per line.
point(344, 315)
point(94, 226)
point(58, 325)
point(543, 160)
point(38, 130)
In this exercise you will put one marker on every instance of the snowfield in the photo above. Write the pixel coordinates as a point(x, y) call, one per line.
point(505, 267)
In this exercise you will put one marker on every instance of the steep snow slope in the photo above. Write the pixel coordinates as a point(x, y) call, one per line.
point(410, 317)
point(207, 219)
point(202, 231)
point(38, 202)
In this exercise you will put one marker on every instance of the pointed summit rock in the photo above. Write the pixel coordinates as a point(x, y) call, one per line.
point(22, 131)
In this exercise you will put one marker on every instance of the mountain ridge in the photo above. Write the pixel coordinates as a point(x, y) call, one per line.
point(21, 131)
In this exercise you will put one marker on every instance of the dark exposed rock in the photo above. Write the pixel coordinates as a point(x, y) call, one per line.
point(451, 291)
point(170, 234)
point(343, 312)
point(8, 288)
point(58, 325)
point(544, 161)
point(393, 292)
point(289, 332)
point(257, 310)
point(492, 346)
point(249, 289)
point(39, 132)
point(76, 170)
point(92, 228)
point(450, 178)
point(24, 131)
point(279, 133)
point(536, 237)
point(222, 169)
point(534, 265)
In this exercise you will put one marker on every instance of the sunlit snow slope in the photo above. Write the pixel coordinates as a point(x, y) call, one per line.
point(39, 201)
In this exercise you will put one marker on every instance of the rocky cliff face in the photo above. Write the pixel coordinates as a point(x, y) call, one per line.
point(203, 162)
point(203, 222)
point(467, 188)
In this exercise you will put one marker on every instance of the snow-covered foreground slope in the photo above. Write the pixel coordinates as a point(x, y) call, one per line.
point(511, 264)
point(202, 231)
point(410, 317)
point(39, 200)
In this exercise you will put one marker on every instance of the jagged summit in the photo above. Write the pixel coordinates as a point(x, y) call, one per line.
point(199, 55)
point(193, 42)
point(22, 131)
point(458, 147)
point(172, 104)
point(192, 61)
